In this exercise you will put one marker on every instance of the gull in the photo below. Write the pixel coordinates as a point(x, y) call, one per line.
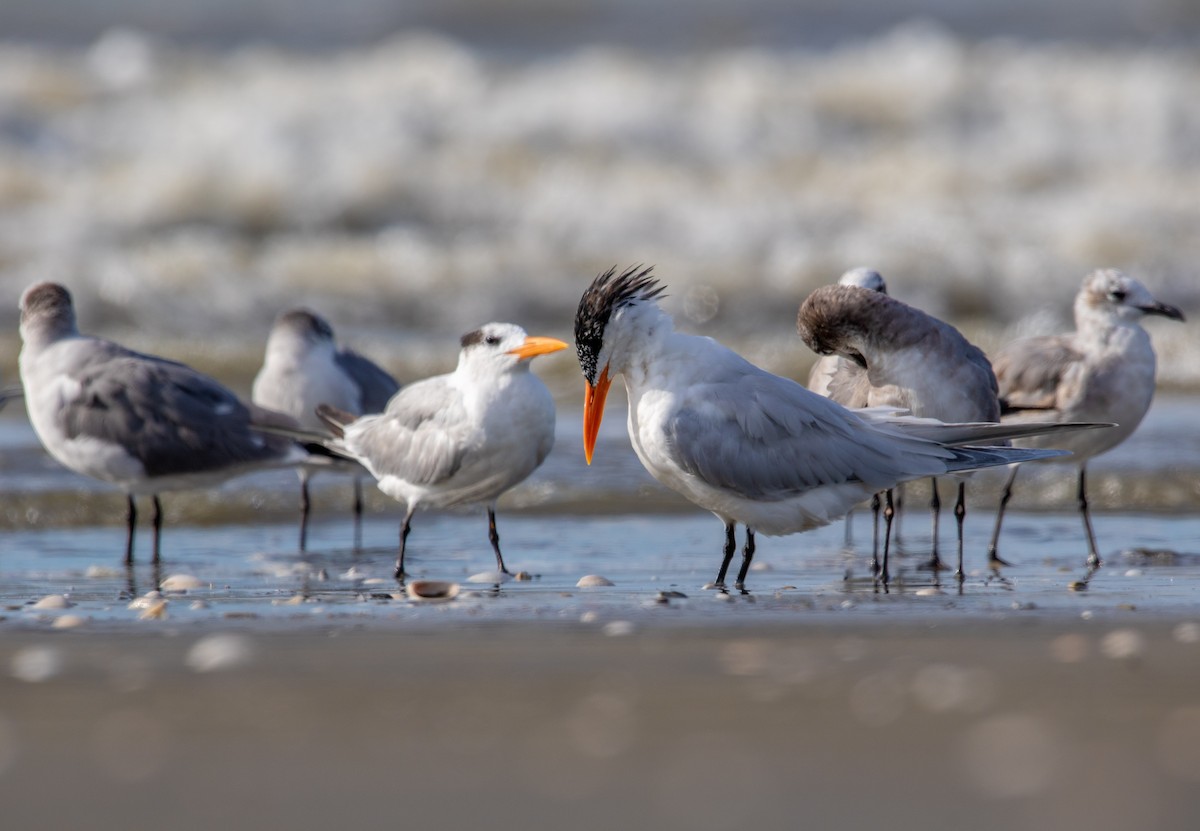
point(461, 438)
point(139, 422)
point(894, 355)
point(304, 367)
point(826, 366)
point(1103, 371)
point(751, 447)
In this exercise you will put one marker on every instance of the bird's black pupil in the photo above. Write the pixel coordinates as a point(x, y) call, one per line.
point(1117, 295)
point(491, 340)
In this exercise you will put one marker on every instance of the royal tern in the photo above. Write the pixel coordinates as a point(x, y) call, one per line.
point(894, 355)
point(141, 423)
point(1103, 371)
point(303, 367)
point(465, 437)
point(749, 446)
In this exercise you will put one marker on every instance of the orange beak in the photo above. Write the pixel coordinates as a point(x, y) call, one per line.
point(593, 412)
point(534, 346)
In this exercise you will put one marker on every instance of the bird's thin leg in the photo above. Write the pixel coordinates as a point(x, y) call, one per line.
point(404, 529)
point(358, 513)
point(130, 524)
point(935, 513)
point(960, 514)
point(848, 530)
point(747, 556)
point(993, 557)
point(889, 512)
point(494, 536)
point(1093, 560)
point(876, 506)
point(727, 554)
point(305, 506)
point(158, 520)
point(898, 504)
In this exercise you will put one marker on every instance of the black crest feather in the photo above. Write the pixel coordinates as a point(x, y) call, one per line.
point(607, 293)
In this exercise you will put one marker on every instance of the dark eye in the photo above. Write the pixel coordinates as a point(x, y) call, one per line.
point(1116, 295)
point(491, 340)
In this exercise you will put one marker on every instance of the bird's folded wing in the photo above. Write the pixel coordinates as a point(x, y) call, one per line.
point(1031, 372)
point(172, 418)
point(763, 437)
point(376, 386)
point(422, 437)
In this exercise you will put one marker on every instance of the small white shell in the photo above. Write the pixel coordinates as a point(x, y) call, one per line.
point(69, 622)
point(589, 581)
point(181, 583)
point(155, 611)
point(431, 590)
point(489, 577)
point(146, 600)
point(53, 601)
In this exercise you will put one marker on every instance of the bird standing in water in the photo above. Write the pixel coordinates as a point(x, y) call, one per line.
point(304, 367)
point(1103, 371)
point(460, 438)
point(749, 446)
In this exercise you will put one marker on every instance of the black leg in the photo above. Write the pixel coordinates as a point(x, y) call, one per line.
point(305, 506)
point(935, 513)
point(747, 556)
point(130, 524)
point(889, 513)
point(158, 520)
point(848, 530)
point(876, 507)
point(358, 513)
point(1093, 560)
point(960, 514)
point(404, 529)
point(727, 554)
point(993, 557)
point(494, 537)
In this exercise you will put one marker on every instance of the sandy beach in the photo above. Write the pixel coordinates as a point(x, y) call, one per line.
point(1017, 723)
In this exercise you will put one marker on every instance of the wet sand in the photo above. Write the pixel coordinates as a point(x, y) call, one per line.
point(1021, 722)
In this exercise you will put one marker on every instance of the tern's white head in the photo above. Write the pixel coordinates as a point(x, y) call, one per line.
point(496, 348)
point(864, 278)
point(614, 311)
point(1108, 295)
point(47, 313)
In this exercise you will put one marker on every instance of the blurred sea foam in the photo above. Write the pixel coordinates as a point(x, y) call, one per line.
point(410, 184)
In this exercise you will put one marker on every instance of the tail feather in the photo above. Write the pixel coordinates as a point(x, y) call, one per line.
point(974, 458)
point(335, 418)
point(953, 435)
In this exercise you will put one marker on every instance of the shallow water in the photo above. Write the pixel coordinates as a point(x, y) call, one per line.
point(64, 534)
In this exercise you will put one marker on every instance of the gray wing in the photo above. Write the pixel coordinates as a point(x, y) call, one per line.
point(421, 438)
point(173, 419)
point(375, 384)
point(1031, 371)
point(764, 437)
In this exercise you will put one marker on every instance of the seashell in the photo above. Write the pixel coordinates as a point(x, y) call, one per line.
point(589, 581)
point(145, 601)
point(181, 583)
point(69, 621)
point(220, 652)
point(102, 573)
point(53, 601)
point(377, 581)
point(928, 591)
point(522, 576)
point(489, 577)
point(155, 611)
point(431, 590)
